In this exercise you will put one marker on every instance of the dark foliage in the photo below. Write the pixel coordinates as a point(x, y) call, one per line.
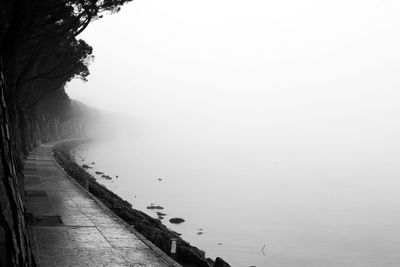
point(39, 54)
point(40, 48)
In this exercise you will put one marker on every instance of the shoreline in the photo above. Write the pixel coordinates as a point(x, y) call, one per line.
point(151, 228)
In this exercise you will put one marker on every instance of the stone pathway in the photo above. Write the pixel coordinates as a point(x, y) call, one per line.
point(69, 227)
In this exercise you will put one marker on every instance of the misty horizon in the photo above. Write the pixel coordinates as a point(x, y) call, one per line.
point(276, 119)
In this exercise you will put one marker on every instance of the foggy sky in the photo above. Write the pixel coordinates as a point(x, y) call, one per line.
point(315, 71)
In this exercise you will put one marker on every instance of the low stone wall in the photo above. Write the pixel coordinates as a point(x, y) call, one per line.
point(149, 227)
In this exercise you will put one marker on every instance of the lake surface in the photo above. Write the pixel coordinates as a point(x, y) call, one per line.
point(320, 203)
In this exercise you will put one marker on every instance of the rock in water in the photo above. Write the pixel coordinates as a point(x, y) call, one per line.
point(176, 220)
point(220, 263)
point(106, 177)
point(160, 215)
point(85, 166)
point(152, 207)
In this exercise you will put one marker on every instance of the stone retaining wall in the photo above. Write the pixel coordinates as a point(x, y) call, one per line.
point(15, 249)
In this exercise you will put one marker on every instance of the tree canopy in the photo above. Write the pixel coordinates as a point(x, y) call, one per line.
point(40, 45)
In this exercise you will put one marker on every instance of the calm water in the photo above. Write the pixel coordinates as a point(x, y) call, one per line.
point(310, 204)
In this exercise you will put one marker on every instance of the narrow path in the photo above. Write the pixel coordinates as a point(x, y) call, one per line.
point(69, 227)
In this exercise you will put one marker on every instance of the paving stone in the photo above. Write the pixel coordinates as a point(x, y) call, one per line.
point(134, 256)
point(101, 257)
point(61, 202)
point(36, 193)
point(52, 238)
point(88, 237)
point(62, 258)
point(127, 243)
point(33, 180)
point(46, 221)
point(76, 219)
point(39, 207)
point(73, 229)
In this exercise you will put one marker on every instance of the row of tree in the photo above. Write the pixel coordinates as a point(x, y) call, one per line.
point(39, 54)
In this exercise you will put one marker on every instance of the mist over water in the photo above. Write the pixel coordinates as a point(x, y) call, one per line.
point(270, 123)
point(311, 202)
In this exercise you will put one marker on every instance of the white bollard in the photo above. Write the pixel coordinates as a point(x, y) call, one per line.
point(173, 248)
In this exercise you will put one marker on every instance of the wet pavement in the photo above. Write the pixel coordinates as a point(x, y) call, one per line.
point(70, 227)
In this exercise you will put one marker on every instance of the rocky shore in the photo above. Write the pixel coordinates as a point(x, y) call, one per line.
point(149, 227)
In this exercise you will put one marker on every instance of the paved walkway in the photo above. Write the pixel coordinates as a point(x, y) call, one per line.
point(70, 227)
